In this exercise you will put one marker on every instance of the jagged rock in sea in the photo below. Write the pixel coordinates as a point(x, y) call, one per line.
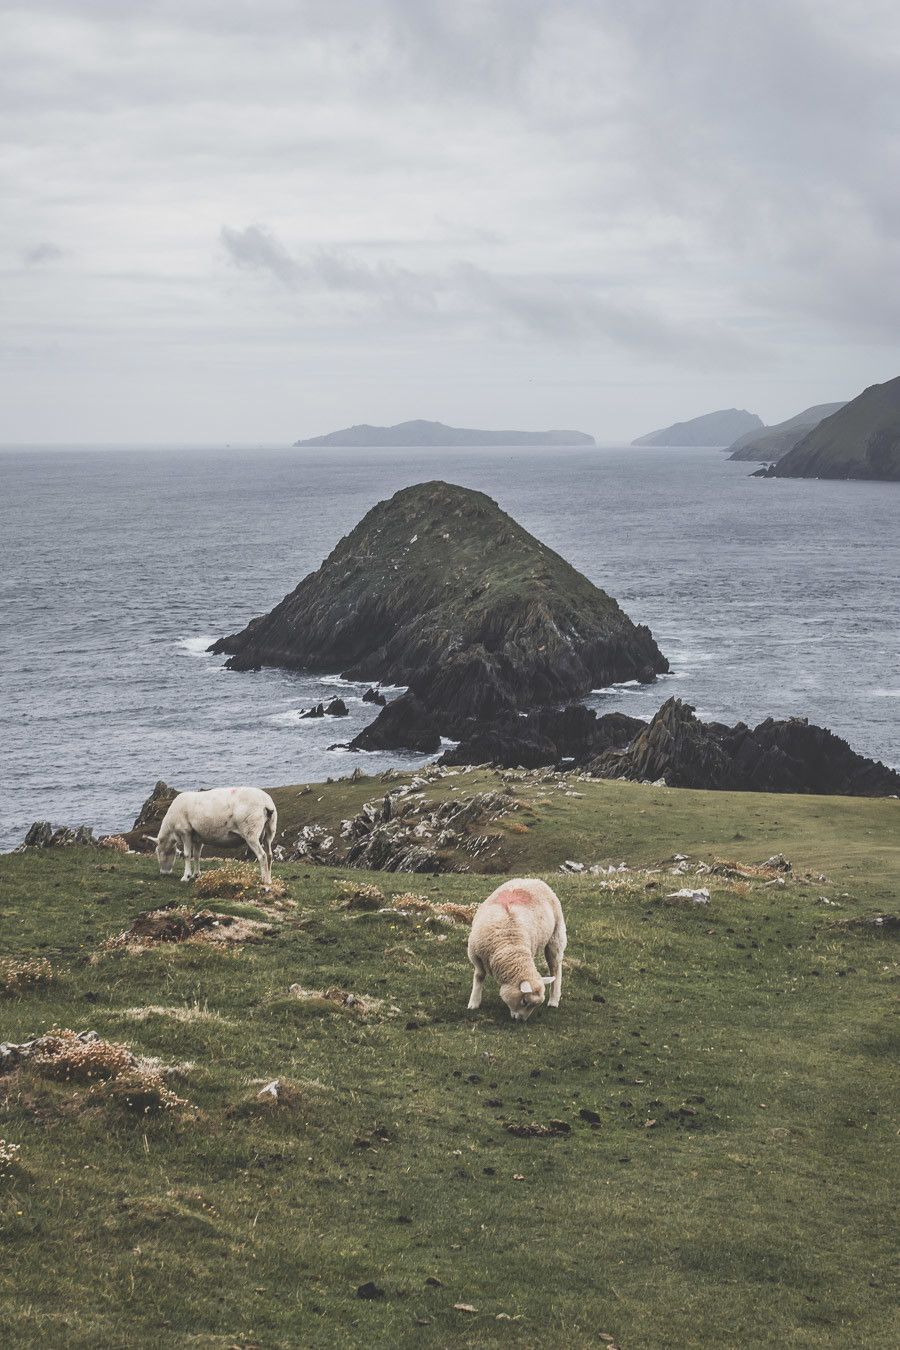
point(336, 708)
point(374, 696)
point(43, 835)
point(776, 756)
point(546, 736)
point(440, 590)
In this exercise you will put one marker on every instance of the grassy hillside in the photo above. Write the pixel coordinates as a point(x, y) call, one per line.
point(862, 440)
point(697, 1149)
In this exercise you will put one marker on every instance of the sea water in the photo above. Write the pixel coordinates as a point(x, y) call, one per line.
point(118, 568)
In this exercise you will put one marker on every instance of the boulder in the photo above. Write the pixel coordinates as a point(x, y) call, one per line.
point(544, 737)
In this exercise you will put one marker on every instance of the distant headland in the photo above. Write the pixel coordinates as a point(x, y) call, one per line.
point(421, 433)
point(712, 429)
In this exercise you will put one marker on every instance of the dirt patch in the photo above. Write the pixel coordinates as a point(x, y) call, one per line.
point(178, 923)
point(553, 1129)
point(886, 925)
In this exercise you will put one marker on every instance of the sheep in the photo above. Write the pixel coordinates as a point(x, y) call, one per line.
point(223, 816)
point(516, 921)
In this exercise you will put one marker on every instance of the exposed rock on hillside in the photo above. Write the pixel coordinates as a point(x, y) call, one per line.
point(769, 444)
point(862, 440)
point(715, 428)
point(419, 432)
point(440, 590)
point(776, 756)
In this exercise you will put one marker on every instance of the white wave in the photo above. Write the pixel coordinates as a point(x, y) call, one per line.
point(884, 693)
point(448, 744)
point(195, 646)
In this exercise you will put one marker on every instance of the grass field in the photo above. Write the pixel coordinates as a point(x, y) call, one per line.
point(719, 1085)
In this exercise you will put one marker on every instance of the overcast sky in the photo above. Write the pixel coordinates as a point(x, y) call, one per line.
point(264, 219)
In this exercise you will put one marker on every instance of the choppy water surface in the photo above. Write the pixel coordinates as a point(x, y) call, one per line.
point(117, 568)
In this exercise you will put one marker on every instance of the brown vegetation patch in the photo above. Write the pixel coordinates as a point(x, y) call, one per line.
point(335, 999)
point(113, 1072)
point(411, 903)
point(360, 895)
point(237, 881)
point(179, 923)
point(20, 977)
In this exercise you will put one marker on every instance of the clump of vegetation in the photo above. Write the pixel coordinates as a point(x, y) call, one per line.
point(182, 924)
point(19, 977)
point(113, 1071)
point(410, 903)
point(360, 895)
point(336, 999)
point(237, 881)
point(9, 1159)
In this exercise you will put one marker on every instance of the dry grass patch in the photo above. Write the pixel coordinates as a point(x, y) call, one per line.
point(22, 977)
point(238, 881)
point(335, 999)
point(359, 895)
point(114, 1074)
point(411, 903)
point(181, 1013)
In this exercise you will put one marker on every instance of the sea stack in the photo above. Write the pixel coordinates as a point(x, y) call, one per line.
point(438, 589)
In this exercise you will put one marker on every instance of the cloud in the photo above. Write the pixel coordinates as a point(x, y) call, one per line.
point(256, 249)
point(41, 253)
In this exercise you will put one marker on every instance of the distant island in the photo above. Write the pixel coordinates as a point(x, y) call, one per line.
point(419, 432)
point(862, 440)
point(712, 429)
point(768, 446)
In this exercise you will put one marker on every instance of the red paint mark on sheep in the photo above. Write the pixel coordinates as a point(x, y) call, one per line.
point(514, 896)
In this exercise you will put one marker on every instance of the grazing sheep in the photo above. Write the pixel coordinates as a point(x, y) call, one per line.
point(516, 921)
point(221, 816)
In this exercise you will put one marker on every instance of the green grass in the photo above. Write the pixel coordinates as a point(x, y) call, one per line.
point(754, 1031)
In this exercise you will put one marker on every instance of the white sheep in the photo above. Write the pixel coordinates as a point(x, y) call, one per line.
point(220, 816)
point(517, 920)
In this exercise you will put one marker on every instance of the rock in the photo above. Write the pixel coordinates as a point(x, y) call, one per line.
point(439, 590)
point(42, 835)
point(777, 863)
point(374, 696)
point(336, 708)
point(698, 897)
point(405, 724)
point(544, 737)
point(155, 807)
point(776, 756)
point(369, 1290)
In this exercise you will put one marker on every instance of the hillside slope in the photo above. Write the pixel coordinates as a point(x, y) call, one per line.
point(347, 1156)
point(862, 440)
point(715, 428)
point(772, 442)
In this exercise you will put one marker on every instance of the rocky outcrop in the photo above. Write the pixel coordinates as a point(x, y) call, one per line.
point(155, 807)
point(776, 756)
point(439, 590)
point(547, 736)
point(43, 835)
point(404, 724)
point(374, 696)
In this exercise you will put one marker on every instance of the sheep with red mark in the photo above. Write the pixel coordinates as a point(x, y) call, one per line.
point(517, 921)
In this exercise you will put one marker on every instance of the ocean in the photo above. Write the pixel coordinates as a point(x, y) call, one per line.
point(119, 567)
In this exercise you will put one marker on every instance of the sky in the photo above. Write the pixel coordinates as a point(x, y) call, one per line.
point(258, 220)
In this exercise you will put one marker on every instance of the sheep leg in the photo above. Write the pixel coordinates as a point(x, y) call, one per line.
point(477, 983)
point(261, 857)
point(187, 847)
point(198, 849)
point(554, 954)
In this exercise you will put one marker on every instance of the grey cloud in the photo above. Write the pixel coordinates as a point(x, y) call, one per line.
point(42, 253)
point(257, 249)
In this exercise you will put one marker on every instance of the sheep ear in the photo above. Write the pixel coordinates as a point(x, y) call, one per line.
point(548, 979)
point(154, 838)
point(525, 988)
